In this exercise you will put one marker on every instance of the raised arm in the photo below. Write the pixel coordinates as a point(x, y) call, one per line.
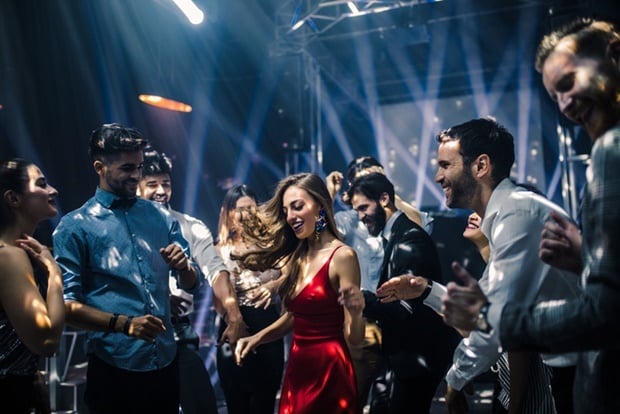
point(410, 211)
point(334, 183)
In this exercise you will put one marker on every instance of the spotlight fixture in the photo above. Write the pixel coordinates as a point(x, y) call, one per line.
point(191, 11)
point(165, 103)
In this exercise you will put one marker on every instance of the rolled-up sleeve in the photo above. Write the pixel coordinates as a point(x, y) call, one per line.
point(69, 252)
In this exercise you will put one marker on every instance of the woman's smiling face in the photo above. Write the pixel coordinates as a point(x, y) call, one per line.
point(300, 210)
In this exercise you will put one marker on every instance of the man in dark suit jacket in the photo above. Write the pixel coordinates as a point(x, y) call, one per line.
point(416, 343)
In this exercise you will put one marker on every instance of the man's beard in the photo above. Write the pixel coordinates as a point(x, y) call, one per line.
point(462, 190)
point(378, 221)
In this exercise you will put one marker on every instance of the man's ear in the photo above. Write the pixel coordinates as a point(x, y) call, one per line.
point(482, 166)
point(384, 200)
point(613, 51)
point(98, 166)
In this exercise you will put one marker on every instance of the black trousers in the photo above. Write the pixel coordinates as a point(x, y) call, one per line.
point(252, 388)
point(196, 391)
point(413, 395)
point(113, 390)
point(562, 380)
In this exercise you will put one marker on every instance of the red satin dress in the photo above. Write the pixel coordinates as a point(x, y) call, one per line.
point(319, 377)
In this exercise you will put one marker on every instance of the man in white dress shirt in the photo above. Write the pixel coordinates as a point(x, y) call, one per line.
point(474, 162)
point(196, 391)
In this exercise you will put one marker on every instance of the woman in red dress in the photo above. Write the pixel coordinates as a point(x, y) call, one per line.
point(296, 231)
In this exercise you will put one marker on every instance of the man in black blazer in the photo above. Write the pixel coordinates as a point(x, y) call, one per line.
point(417, 345)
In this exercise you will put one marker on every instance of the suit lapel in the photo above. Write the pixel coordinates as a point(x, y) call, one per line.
point(387, 251)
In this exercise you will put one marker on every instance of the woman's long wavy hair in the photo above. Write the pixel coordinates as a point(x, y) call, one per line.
point(226, 232)
point(277, 245)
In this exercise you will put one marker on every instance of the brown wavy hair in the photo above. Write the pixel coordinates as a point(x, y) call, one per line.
point(277, 245)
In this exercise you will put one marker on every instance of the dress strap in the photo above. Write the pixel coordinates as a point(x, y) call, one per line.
point(333, 252)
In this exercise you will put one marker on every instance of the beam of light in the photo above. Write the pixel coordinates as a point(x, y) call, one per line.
point(257, 115)
point(165, 103)
point(327, 113)
point(525, 38)
point(353, 7)
point(365, 62)
point(554, 183)
point(439, 45)
point(332, 118)
point(473, 61)
point(197, 145)
point(190, 10)
point(426, 103)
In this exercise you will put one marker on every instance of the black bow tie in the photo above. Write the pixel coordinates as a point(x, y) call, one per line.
point(123, 203)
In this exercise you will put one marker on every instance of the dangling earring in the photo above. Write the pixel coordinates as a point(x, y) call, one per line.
point(321, 224)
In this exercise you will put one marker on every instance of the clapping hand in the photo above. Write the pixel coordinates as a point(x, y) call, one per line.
point(560, 245)
point(402, 287)
point(352, 298)
point(461, 304)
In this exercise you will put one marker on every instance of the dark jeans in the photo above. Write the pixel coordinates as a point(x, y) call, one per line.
point(562, 380)
point(113, 390)
point(252, 388)
point(196, 391)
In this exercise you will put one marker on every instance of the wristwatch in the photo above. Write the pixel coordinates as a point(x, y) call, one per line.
point(428, 289)
point(482, 324)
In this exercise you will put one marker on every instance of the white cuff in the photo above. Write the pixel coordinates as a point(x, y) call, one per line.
point(433, 300)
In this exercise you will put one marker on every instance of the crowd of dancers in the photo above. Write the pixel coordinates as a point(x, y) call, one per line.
point(360, 290)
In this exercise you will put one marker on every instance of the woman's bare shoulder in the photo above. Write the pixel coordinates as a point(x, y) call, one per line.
point(10, 257)
point(345, 253)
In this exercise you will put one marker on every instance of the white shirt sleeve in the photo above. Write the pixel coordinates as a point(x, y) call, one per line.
point(433, 300)
point(514, 273)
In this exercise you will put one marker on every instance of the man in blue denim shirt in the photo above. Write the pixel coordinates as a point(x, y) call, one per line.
point(116, 252)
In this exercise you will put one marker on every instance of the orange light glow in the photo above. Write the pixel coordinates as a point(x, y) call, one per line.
point(165, 103)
